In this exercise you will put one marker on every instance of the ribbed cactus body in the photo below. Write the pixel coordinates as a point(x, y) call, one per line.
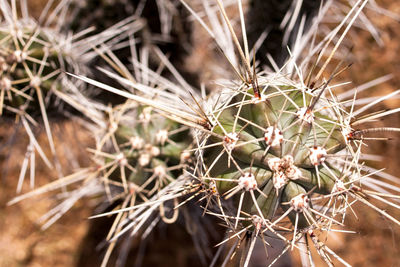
point(31, 62)
point(151, 145)
point(275, 140)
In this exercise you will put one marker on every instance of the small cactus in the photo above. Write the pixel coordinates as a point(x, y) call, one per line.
point(34, 58)
point(31, 66)
point(146, 155)
point(145, 147)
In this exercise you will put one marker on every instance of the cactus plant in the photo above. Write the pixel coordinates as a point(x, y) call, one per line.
point(270, 153)
point(35, 56)
point(279, 150)
point(140, 154)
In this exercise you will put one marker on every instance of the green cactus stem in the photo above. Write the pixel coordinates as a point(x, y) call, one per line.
point(281, 142)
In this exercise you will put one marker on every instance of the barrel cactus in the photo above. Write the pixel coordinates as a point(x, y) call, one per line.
point(31, 65)
point(137, 156)
point(35, 56)
point(274, 147)
point(271, 154)
point(286, 152)
point(141, 150)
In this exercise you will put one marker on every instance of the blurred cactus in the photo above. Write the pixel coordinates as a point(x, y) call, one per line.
point(32, 61)
point(35, 56)
point(138, 155)
point(145, 147)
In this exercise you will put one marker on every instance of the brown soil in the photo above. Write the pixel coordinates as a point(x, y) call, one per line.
point(22, 243)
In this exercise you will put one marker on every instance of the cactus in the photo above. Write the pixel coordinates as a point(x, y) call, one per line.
point(272, 150)
point(35, 56)
point(268, 153)
point(277, 145)
point(272, 155)
point(145, 147)
point(31, 66)
point(139, 155)
point(33, 61)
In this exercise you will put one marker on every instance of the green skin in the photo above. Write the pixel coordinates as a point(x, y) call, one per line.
point(169, 152)
point(264, 114)
point(36, 50)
